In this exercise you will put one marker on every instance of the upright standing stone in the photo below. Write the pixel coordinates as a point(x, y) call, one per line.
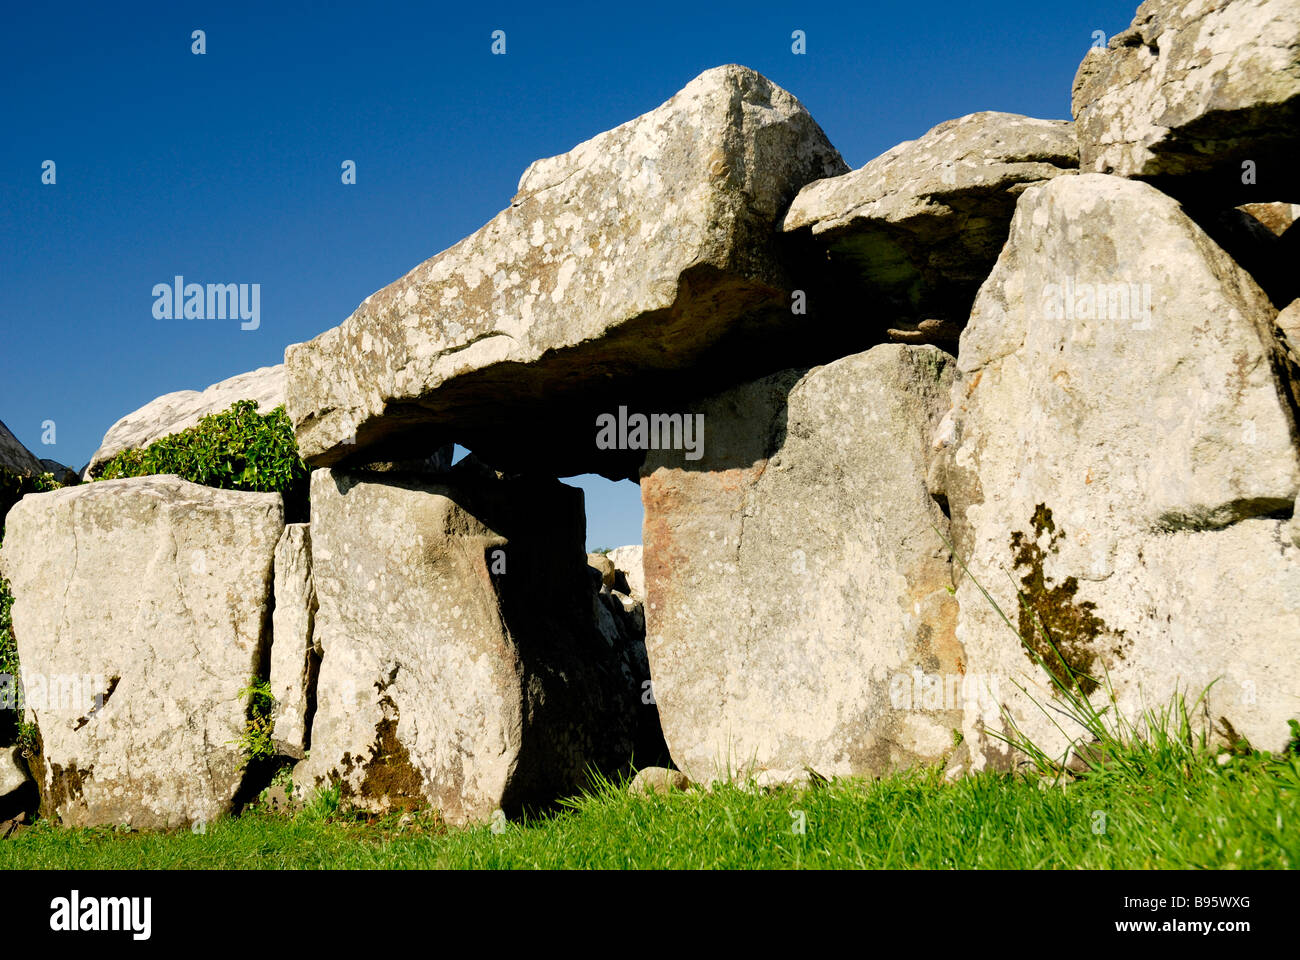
point(1119, 443)
point(295, 653)
point(141, 609)
point(797, 603)
point(461, 664)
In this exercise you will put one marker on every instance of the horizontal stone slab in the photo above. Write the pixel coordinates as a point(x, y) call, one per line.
point(625, 261)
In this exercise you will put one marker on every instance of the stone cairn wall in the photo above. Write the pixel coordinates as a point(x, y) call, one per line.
point(1015, 379)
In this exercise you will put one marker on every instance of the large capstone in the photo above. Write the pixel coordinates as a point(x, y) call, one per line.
point(1201, 97)
point(617, 268)
point(907, 239)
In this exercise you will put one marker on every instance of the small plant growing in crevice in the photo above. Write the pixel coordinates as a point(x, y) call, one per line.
point(256, 742)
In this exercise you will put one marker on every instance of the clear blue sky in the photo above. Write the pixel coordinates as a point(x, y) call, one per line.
point(226, 167)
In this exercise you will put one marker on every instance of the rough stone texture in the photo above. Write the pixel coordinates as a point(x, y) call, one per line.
point(295, 655)
point(1191, 90)
point(1278, 217)
point(1288, 323)
point(620, 619)
point(461, 666)
point(796, 577)
point(658, 780)
point(13, 771)
point(627, 562)
point(174, 412)
point(624, 259)
point(1133, 474)
point(920, 226)
point(142, 607)
point(14, 457)
point(603, 566)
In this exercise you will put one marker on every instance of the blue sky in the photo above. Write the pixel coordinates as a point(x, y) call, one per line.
point(226, 167)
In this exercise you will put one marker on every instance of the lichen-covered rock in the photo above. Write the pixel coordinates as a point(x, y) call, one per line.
point(627, 257)
point(914, 232)
point(295, 654)
point(1190, 92)
point(141, 609)
point(797, 603)
point(1131, 468)
point(461, 665)
point(182, 409)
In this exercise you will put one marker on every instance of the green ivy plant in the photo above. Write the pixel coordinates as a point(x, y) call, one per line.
point(237, 449)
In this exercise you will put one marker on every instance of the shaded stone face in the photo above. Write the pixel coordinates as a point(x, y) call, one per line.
point(15, 458)
point(295, 654)
point(909, 237)
point(618, 268)
point(142, 608)
point(1190, 93)
point(797, 601)
point(461, 663)
point(1130, 468)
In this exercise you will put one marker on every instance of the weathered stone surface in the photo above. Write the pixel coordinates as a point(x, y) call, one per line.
point(295, 655)
point(604, 566)
point(620, 619)
point(1131, 471)
point(461, 666)
point(13, 771)
point(919, 227)
point(14, 457)
point(658, 780)
point(626, 258)
point(174, 412)
point(141, 609)
point(627, 562)
point(1191, 91)
point(1278, 217)
point(1288, 324)
point(796, 581)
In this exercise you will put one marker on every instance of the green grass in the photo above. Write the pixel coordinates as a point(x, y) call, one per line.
point(1184, 811)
